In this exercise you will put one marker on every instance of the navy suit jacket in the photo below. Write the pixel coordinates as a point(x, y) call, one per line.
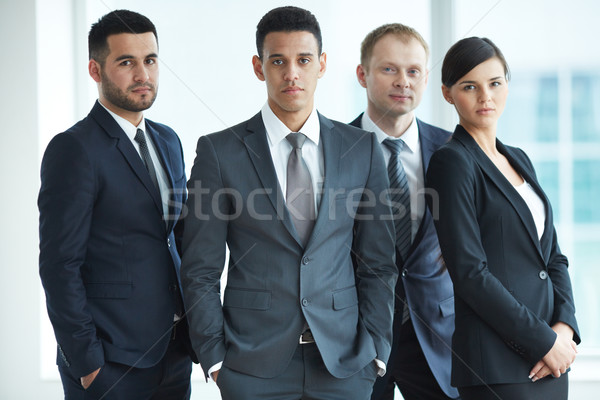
point(510, 287)
point(108, 261)
point(274, 284)
point(426, 283)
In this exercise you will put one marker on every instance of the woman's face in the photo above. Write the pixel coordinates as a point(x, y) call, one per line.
point(479, 96)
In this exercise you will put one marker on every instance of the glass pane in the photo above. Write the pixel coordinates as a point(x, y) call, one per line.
point(531, 112)
point(585, 289)
point(586, 191)
point(586, 107)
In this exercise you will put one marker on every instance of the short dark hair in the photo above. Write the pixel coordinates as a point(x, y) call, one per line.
point(465, 55)
point(115, 22)
point(287, 19)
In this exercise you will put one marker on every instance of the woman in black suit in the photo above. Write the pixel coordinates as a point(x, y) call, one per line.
point(516, 331)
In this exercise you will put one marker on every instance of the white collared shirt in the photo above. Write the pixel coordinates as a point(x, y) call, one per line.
point(312, 150)
point(411, 159)
point(130, 131)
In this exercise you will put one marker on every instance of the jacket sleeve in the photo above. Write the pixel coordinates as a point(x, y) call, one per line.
point(374, 256)
point(204, 241)
point(65, 202)
point(451, 176)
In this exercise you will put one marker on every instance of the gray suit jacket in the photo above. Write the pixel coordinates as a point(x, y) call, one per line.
point(274, 284)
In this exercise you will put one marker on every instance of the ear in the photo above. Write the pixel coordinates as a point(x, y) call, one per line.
point(360, 75)
point(94, 70)
point(426, 76)
point(257, 66)
point(323, 64)
point(447, 95)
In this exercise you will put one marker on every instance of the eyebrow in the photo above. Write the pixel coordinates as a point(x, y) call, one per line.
point(129, 56)
point(472, 82)
point(299, 55)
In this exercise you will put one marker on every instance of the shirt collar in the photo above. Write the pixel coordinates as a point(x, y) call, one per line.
point(129, 129)
point(410, 137)
point(277, 131)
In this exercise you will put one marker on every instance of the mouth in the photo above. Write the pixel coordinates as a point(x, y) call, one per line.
point(400, 97)
point(292, 90)
point(142, 89)
point(485, 111)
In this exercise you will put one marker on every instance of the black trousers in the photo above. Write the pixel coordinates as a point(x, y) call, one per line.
point(167, 380)
point(408, 369)
point(305, 378)
point(549, 388)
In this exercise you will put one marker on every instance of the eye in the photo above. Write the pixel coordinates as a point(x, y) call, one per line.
point(125, 63)
point(151, 61)
point(495, 84)
point(468, 87)
point(389, 70)
point(414, 71)
point(304, 60)
point(277, 62)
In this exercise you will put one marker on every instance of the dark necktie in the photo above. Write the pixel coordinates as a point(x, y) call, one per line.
point(400, 198)
point(299, 194)
point(141, 139)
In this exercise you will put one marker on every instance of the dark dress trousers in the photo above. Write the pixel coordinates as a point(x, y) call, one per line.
point(274, 284)
point(510, 287)
point(108, 258)
point(426, 286)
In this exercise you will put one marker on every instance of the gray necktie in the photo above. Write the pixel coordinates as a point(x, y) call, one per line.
point(400, 197)
point(299, 194)
point(141, 139)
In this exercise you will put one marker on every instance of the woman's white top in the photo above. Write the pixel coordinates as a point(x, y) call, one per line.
point(535, 204)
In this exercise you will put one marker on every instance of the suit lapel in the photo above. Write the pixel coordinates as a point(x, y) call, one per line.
point(332, 153)
point(260, 155)
point(507, 189)
point(110, 126)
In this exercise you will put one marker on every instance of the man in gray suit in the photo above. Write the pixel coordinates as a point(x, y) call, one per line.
point(295, 197)
point(393, 69)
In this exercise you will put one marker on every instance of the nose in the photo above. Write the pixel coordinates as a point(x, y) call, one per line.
point(291, 73)
point(141, 74)
point(485, 95)
point(401, 80)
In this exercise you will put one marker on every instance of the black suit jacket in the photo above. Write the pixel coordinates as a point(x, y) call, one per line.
point(425, 284)
point(510, 287)
point(274, 284)
point(108, 260)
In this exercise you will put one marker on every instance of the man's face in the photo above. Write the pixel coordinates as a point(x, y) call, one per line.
point(396, 76)
point(129, 77)
point(291, 66)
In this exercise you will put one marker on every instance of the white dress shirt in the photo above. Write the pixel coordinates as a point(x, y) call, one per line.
point(535, 204)
point(411, 159)
point(161, 176)
point(312, 151)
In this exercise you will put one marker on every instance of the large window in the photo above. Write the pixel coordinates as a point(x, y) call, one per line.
point(555, 117)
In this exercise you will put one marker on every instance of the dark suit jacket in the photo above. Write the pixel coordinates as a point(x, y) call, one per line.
point(273, 283)
point(510, 287)
point(426, 284)
point(108, 262)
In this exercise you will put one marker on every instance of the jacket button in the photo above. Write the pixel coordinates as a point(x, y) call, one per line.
point(404, 272)
point(543, 275)
point(305, 260)
point(173, 288)
point(304, 302)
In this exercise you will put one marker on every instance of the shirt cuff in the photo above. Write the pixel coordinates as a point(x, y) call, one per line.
point(215, 368)
point(380, 367)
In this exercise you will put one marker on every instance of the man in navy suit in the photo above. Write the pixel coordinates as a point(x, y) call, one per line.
point(294, 198)
point(112, 189)
point(394, 71)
